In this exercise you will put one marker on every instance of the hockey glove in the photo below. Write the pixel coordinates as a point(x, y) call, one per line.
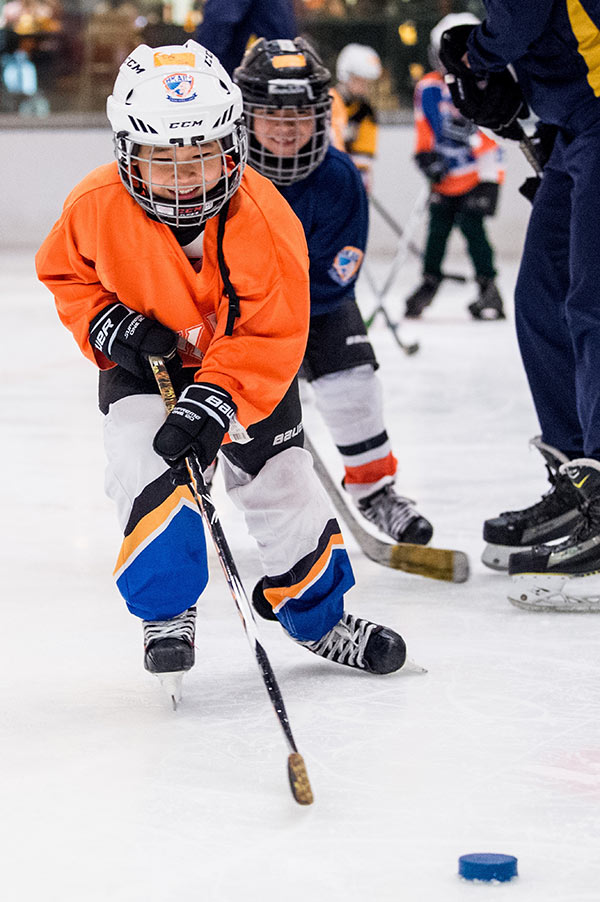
point(432, 165)
point(127, 338)
point(197, 424)
point(494, 100)
point(482, 199)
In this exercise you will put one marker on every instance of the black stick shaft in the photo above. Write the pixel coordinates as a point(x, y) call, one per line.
point(232, 576)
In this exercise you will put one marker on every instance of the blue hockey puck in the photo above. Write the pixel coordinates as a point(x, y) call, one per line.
point(487, 866)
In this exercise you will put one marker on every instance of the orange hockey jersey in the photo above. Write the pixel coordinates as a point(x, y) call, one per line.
point(104, 247)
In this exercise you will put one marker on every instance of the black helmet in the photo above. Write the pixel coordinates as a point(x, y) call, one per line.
point(285, 80)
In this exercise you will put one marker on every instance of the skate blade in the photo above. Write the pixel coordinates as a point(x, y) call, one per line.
point(554, 593)
point(172, 684)
point(496, 556)
point(411, 666)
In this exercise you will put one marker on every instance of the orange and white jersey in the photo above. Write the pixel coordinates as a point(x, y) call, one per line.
point(105, 247)
point(471, 155)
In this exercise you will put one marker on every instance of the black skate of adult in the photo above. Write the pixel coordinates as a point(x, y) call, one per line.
point(169, 650)
point(552, 518)
point(564, 576)
point(488, 305)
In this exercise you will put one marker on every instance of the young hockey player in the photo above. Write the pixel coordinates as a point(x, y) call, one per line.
point(177, 250)
point(553, 48)
point(463, 166)
point(287, 106)
point(357, 68)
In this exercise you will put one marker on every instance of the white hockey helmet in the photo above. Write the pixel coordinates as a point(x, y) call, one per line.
point(435, 37)
point(359, 60)
point(177, 96)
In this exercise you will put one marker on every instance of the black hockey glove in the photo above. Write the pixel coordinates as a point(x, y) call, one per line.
point(197, 424)
point(432, 164)
point(493, 101)
point(482, 199)
point(127, 338)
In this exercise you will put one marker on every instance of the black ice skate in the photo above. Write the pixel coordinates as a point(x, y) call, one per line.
point(394, 515)
point(579, 554)
point(552, 518)
point(361, 644)
point(489, 303)
point(422, 296)
point(169, 650)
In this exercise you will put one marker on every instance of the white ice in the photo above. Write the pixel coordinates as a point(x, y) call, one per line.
point(107, 795)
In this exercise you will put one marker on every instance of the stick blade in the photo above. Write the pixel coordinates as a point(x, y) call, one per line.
point(299, 782)
point(434, 563)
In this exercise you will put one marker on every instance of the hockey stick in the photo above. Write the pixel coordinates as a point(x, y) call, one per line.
point(408, 349)
point(396, 265)
point(434, 563)
point(298, 777)
point(399, 232)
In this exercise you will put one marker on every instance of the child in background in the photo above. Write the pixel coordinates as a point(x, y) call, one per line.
point(463, 166)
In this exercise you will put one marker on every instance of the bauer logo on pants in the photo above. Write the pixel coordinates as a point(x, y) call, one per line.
point(346, 265)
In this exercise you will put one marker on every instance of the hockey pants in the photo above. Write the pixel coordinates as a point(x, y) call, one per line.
point(557, 299)
point(442, 219)
point(162, 568)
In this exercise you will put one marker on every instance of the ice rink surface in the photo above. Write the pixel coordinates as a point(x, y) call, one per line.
point(109, 796)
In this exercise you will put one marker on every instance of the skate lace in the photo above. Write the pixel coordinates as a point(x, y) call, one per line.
point(180, 627)
point(552, 497)
point(390, 512)
point(346, 643)
point(589, 524)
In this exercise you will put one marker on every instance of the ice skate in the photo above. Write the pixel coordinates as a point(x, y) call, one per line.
point(394, 515)
point(489, 303)
point(422, 296)
point(547, 566)
point(361, 644)
point(552, 518)
point(169, 650)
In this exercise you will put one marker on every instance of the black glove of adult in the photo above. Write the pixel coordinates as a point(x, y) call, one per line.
point(493, 101)
point(432, 164)
point(127, 338)
point(197, 424)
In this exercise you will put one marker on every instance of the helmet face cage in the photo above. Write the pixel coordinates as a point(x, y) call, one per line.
point(306, 131)
point(287, 107)
point(156, 176)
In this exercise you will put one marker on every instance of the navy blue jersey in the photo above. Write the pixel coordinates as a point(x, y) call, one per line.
point(228, 24)
point(332, 205)
point(554, 46)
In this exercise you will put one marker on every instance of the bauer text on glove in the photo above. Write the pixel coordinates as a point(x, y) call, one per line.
point(127, 338)
point(197, 424)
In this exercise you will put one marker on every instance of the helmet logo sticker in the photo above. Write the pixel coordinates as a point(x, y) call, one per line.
point(180, 87)
point(289, 61)
point(174, 59)
point(346, 264)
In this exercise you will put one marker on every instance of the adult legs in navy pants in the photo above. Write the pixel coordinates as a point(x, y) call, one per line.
point(557, 312)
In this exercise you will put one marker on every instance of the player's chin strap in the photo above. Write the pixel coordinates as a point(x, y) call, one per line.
point(234, 301)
